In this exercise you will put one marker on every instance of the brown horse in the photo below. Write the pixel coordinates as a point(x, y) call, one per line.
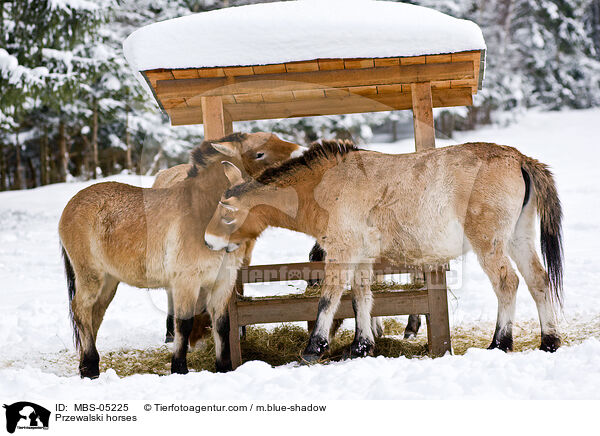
point(420, 208)
point(153, 238)
point(259, 151)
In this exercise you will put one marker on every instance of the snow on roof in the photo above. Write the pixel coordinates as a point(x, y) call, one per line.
point(272, 33)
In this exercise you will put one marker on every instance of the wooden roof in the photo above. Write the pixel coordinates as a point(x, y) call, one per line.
point(317, 87)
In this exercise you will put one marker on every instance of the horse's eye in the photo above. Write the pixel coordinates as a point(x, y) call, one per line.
point(260, 155)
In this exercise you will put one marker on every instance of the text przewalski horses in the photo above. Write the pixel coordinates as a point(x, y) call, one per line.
point(420, 208)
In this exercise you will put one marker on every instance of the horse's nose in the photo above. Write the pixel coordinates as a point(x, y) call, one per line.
point(208, 245)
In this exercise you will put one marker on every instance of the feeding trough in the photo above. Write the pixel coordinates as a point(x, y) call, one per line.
point(297, 59)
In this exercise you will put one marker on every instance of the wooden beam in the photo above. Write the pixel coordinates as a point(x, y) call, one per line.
point(422, 107)
point(323, 106)
point(256, 84)
point(305, 308)
point(213, 117)
point(306, 271)
point(438, 325)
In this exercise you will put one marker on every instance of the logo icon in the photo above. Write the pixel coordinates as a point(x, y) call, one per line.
point(26, 415)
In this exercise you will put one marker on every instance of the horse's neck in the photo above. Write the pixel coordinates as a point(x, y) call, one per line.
point(293, 205)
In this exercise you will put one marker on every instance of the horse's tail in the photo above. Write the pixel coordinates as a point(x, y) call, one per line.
point(70, 274)
point(550, 213)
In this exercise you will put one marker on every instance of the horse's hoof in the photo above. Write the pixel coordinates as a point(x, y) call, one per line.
point(550, 343)
point(91, 373)
point(410, 335)
point(362, 348)
point(179, 366)
point(224, 366)
point(169, 339)
point(310, 358)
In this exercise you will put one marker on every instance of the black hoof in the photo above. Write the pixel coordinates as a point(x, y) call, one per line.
point(409, 335)
point(310, 358)
point(550, 343)
point(505, 344)
point(316, 346)
point(361, 348)
point(87, 372)
point(90, 366)
point(179, 366)
point(169, 339)
point(223, 366)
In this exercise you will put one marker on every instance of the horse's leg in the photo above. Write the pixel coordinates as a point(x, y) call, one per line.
point(185, 297)
point(362, 302)
point(498, 268)
point(107, 293)
point(88, 287)
point(337, 276)
point(217, 308)
point(522, 251)
point(170, 336)
point(412, 327)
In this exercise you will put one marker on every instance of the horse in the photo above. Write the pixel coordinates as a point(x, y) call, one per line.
point(420, 208)
point(258, 152)
point(153, 238)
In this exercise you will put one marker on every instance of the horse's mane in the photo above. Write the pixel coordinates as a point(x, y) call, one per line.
point(205, 154)
point(318, 152)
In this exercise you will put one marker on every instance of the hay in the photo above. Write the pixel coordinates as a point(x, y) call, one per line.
point(285, 343)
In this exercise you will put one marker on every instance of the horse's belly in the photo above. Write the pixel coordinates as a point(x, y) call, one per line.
point(430, 245)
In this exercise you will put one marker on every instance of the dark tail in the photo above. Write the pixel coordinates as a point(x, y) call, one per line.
point(71, 288)
point(550, 213)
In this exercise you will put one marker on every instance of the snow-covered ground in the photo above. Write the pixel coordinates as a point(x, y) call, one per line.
point(35, 337)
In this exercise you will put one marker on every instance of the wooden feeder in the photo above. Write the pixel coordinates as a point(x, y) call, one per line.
point(216, 97)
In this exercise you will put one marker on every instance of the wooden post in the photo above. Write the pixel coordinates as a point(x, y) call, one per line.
point(213, 117)
point(422, 106)
point(438, 325)
point(234, 327)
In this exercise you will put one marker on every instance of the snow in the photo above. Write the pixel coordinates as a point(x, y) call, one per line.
point(299, 30)
point(35, 338)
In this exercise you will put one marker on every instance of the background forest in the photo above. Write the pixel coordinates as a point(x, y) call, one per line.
point(70, 107)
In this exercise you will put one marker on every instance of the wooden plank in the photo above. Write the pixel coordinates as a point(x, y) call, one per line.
point(462, 83)
point(305, 308)
point(337, 93)
point(422, 106)
point(276, 97)
point(155, 75)
point(238, 71)
point(445, 84)
point(363, 90)
point(269, 69)
point(190, 73)
point(307, 94)
point(394, 88)
point(308, 271)
point(324, 79)
point(331, 64)
point(213, 117)
point(323, 106)
point(387, 62)
point(413, 60)
point(438, 324)
point(248, 98)
point(234, 328)
point(351, 64)
point(302, 67)
point(438, 59)
point(207, 73)
point(169, 103)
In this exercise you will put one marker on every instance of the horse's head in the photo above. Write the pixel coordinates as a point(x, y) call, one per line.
point(257, 151)
point(246, 209)
point(224, 231)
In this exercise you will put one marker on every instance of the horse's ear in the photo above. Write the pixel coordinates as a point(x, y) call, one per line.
point(226, 148)
point(233, 173)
